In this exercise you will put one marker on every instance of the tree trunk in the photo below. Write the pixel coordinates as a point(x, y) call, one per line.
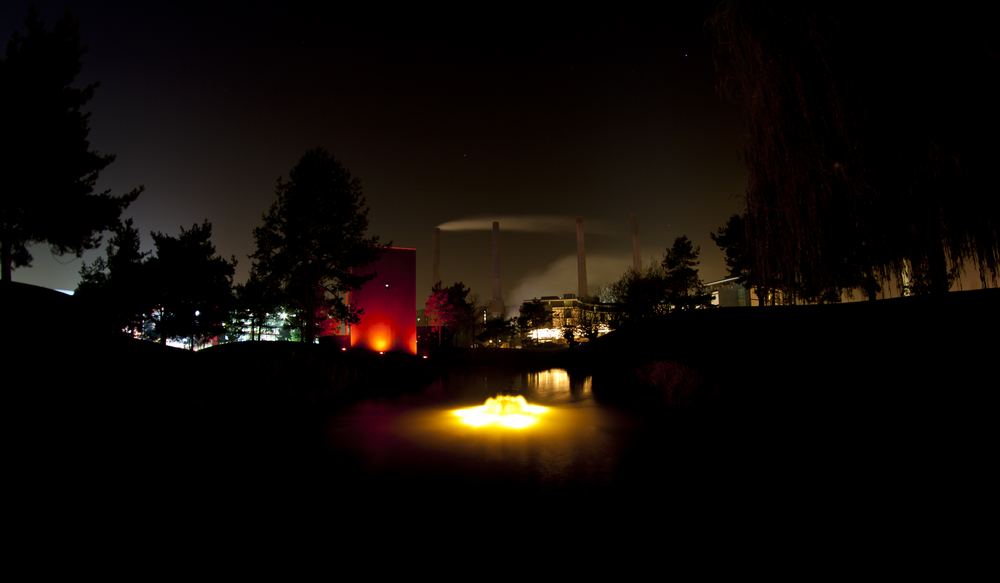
point(310, 331)
point(871, 287)
point(938, 264)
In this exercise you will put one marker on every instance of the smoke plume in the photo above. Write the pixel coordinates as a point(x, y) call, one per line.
point(528, 223)
point(559, 278)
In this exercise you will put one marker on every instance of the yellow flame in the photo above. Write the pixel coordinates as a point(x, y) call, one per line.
point(505, 410)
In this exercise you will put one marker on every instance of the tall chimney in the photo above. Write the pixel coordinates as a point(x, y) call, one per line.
point(436, 258)
point(581, 260)
point(636, 255)
point(496, 305)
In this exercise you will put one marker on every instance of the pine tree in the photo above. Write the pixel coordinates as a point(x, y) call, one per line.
point(116, 287)
point(684, 289)
point(312, 238)
point(192, 286)
point(49, 170)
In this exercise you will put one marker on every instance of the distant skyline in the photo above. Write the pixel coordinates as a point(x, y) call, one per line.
point(596, 116)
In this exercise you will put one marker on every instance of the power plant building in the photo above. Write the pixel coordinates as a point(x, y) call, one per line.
point(388, 322)
point(570, 311)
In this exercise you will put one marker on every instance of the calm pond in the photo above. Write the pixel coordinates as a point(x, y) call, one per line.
point(577, 449)
point(389, 460)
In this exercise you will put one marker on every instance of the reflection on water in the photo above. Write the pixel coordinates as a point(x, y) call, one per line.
point(575, 440)
point(555, 385)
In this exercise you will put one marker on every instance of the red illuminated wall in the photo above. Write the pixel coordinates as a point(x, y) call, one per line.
point(389, 321)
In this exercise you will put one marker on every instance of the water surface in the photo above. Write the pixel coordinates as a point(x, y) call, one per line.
point(579, 449)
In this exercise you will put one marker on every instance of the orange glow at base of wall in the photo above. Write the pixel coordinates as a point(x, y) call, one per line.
point(388, 322)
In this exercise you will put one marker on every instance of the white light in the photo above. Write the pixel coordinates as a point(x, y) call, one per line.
point(545, 333)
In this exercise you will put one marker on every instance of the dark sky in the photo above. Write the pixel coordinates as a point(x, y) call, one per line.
point(443, 117)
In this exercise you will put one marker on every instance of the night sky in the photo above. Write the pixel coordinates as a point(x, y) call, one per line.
point(529, 119)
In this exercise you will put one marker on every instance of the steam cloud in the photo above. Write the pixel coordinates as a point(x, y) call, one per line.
point(529, 223)
point(560, 278)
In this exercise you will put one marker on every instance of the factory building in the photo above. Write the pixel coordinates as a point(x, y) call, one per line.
point(388, 323)
point(727, 293)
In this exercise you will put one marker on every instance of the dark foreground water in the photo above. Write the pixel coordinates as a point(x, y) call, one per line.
point(410, 459)
point(415, 450)
point(576, 447)
point(399, 471)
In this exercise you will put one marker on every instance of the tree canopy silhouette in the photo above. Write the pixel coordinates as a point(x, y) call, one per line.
point(49, 170)
point(641, 294)
point(684, 289)
point(312, 238)
point(732, 239)
point(117, 287)
point(532, 316)
point(191, 285)
point(867, 152)
point(255, 303)
point(450, 309)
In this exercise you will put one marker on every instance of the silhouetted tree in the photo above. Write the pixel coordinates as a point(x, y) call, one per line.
point(295, 323)
point(256, 303)
point(532, 316)
point(639, 294)
point(117, 286)
point(591, 320)
point(497, 332)
point(448, 309)
point(865, 150)
point(569, 333)
point(732, 239)
point(684, 289)
point(193, 286)
point(312, 238)
point(49, 170)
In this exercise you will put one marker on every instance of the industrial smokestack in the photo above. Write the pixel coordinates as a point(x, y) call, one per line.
point(581, 259)
point(496, 305)
point(636, 255)
point(436, 258)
